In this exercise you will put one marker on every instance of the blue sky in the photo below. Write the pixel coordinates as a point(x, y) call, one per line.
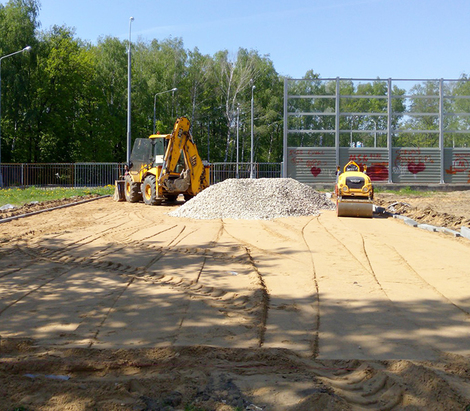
point(418, 39)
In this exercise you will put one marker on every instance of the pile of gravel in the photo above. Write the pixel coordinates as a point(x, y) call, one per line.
point(255, 199)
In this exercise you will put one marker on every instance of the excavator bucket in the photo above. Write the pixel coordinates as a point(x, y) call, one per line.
point(354, 208)
point(119, 186)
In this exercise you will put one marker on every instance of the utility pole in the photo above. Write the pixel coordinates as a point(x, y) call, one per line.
point(27, 48)
point(252, 132)
point(128, 155)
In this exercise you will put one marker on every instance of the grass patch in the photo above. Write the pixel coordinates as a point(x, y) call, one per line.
point(406, 191)
point(22, 196)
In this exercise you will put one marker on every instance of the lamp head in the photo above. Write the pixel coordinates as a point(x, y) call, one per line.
point(27, 48)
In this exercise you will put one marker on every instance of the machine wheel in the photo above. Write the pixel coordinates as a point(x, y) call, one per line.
point(132, 190)
point(362, 208)
point(188, 197)
point(149, 191)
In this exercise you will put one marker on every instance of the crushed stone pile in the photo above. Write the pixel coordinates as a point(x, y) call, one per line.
point(255, 199)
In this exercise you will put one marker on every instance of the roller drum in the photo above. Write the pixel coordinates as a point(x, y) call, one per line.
point(354, 209)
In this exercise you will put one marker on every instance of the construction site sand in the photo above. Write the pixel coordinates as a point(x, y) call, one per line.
point(117, 306)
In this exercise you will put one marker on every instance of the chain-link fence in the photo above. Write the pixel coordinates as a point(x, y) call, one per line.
point(60, 174)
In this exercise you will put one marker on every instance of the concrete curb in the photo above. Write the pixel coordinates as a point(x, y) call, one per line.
point(428, 227)
point(464, 231)
point(448, 231)
point(406, 220)
point(410, 222)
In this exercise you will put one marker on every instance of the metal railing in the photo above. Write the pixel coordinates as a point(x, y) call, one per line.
point(103, 174)
point(60, 174)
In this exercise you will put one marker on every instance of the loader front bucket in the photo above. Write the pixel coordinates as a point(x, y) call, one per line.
point(119, 187)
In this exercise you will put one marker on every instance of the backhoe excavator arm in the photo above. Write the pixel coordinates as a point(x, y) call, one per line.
point(199, 180)
point(181, 140)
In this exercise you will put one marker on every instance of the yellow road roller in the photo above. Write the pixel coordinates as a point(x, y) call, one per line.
point(354, 192)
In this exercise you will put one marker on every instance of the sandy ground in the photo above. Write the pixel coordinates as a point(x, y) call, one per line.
point(117, 306)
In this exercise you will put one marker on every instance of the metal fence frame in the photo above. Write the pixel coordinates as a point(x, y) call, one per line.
point(102, 174)
point(224, 171)
point(443, 160)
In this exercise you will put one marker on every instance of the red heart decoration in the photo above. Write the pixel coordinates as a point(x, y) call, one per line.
point(315, 171)
point(414, 168)
point(377, 172)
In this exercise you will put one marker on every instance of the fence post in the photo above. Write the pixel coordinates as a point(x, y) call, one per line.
point(284, 149)
point(441, 128)
point(389, 130)
point(337, 124)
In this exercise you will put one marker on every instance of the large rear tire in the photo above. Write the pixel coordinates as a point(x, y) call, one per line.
point(149, 191)
point(132, 190)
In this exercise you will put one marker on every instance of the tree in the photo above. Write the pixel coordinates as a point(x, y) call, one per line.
point(268, 110)
point(64, 70)
point(111, 84)
point(457, 108)
point(158, 67)
point(233, 77)
point(423, 116)
point(18, 23)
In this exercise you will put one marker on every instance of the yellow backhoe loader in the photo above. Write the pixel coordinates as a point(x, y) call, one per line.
point(354, 192)
point(156, 174)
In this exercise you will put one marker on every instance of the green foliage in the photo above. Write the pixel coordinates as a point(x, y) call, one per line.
point(70, 101)
point(18, 26)
point(66, 100)
point(405, 191)
point(363, 118)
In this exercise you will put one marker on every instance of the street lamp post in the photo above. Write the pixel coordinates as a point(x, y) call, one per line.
point(27, 48)
point(238, 126)
point(155, 106)
point(252, 137)
point(128, 155)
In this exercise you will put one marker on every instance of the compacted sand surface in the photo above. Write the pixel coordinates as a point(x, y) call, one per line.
point(117, 306)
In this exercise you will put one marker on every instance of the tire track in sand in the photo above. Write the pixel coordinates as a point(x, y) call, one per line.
point(368, 387)
point(232, 302)
point(316, 330)
point(285, 322)
point(350, 293)
point(393, 253)
point(404, 301)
